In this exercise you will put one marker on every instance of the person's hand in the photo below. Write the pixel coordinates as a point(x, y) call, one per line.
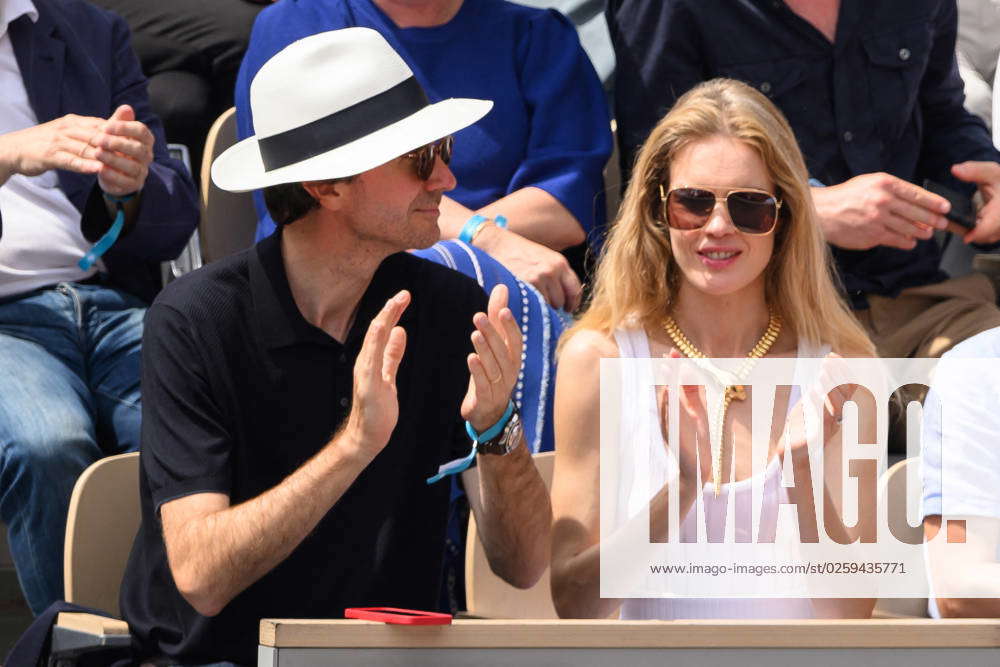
point(986, 176)
point(124, 148)
point(493, 367)
point(375, 408)
point(693, 429)
point(532, 262)
point(878, 209)
point(801, 422)
point(57, 144)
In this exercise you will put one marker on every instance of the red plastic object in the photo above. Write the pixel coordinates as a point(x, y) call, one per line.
point(398, 616)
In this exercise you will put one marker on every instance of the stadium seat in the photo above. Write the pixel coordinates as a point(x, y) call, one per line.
point(102, 523)
point(190, 257)
point(228, 220)
point(486, 594)
point(893, 484)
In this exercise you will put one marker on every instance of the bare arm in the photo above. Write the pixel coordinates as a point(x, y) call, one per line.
point(510, 503)
point(576, 543)
point(513, 515)
point(538, 216)
point(576, 482)
point(539, 227)
point(216, 551)
point(965, 561)
point(531, 212)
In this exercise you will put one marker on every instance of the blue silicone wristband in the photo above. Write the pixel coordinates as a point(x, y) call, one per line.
point(470, 227)
point(500, 221)
point(123, 199)
point(492, 431)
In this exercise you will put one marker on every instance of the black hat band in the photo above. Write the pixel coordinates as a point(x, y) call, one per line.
point(342, 127)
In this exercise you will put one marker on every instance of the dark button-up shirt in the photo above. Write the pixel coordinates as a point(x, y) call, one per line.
point(885, 96)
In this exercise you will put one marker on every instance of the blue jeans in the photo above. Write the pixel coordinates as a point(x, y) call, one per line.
point(69, 372)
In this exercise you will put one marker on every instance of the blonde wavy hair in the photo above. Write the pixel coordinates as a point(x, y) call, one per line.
point(637, 276)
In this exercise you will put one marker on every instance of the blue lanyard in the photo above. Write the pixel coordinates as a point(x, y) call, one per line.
point(110, 236)
point(462, 464)
point(456, 466)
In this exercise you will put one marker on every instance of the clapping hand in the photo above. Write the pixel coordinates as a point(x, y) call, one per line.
point(829, 404)
point(375, 406)
point(117, 150)
point(494, 366)
point(693, 431)
point(124, 147)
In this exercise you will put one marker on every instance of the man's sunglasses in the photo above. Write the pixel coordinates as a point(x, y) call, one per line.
point(752, 211)
point(426, 155)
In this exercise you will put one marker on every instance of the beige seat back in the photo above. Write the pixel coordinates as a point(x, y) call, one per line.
point(489, 596)
point(100, 528)
point(892, 485)
point(228, 219)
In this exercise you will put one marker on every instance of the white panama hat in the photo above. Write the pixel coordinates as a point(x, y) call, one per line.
point(332, 105)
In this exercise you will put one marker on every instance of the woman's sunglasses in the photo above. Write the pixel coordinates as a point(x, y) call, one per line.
point(425, 156)
point(752, 211)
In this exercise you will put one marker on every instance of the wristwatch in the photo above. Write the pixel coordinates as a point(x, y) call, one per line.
point(507, 440)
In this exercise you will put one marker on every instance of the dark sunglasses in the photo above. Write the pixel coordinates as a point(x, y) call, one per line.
point(752, 211)
point(426, 155)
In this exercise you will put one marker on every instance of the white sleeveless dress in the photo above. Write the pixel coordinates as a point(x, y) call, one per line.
point(640, 399)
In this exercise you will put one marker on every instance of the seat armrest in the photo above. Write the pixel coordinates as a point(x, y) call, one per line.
point(91, 623)
point(77, 633)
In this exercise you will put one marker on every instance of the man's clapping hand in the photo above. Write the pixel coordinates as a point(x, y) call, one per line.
point(118, 150)
point(375, 406)
point(494, 366)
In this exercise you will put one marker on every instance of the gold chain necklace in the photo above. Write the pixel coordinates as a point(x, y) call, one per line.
point(731, 391)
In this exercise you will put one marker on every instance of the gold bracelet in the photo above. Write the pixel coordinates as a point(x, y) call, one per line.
point(487, 221)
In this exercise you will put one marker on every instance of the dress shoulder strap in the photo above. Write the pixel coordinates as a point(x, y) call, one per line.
point(632, 342)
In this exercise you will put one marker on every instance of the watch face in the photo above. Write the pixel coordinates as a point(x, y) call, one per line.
point(506, 441)
point(511, 434)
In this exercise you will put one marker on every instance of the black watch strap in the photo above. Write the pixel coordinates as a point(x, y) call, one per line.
point(506, 440)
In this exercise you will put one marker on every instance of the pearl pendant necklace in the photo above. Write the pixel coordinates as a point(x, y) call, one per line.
point(731, 382)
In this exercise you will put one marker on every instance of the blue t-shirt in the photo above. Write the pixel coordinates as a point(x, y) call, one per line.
point(549, 126)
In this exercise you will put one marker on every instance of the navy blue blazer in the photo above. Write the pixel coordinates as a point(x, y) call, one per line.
point(78, 58)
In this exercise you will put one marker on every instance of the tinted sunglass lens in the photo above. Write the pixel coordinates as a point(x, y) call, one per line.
point(447, 145)
point(425, 162)
point(426, 155)
point(753, 212)
point(689, 208)
point(699, 202)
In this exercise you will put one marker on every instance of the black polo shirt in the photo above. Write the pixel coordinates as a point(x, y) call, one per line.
point(239, 390)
